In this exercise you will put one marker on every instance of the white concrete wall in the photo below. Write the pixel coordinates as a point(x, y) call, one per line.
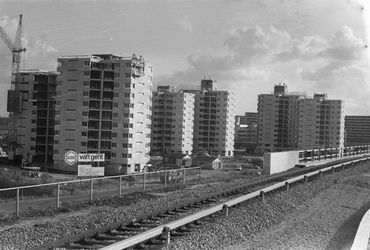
point(280, 161)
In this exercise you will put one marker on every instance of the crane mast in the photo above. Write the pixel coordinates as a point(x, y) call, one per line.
point(14, 104)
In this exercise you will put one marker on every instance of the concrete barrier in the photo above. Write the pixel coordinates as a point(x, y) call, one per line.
point(361, 241)
point(277, 162)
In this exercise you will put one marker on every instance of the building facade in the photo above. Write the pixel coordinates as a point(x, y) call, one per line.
point(34, 124)
point(321, 122)
point(214, 120)
point(104, 105)
point(277, 120)
point(246, 131)
point(357, 130)
point(289, 121)
point(172, 121)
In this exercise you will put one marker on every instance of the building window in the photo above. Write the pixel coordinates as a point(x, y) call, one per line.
point(84, 133)
point(84, 113)
point(116, 84)
point(84, 123)
point(115, 105)
point(127, 85)
point(87, 73)
point(33, 121)
point(87, 63)
point(86, 93)
point(83, 144)
point(86, 84)
point(85, 104)
point(128, 75)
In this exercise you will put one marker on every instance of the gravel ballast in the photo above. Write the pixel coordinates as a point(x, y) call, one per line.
point(315, 215)
point(35, 232)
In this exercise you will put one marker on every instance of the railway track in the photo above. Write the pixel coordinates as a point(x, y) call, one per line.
point(151, 231)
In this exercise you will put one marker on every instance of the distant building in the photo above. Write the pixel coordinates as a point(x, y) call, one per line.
point(214, 120)
point(278, 120)
point(104, 105)
point(246, 131)
point(357, 130)
point(34, 124)
point(172, 121)
point(321, 122)
point(288, 121)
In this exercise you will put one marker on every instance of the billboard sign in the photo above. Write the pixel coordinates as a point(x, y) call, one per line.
point(91, 157)
point(88, 171)
point(71, 157)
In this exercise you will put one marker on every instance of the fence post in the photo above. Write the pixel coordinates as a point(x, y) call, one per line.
point(165, 178)
point(120, 185)
point(183, 177)
point(58, 194)
point(262, 195)
point(226, 209)
point(91, 189)
point(167, 234)
point(17, 203)
point(199, 175)
point(144, 177)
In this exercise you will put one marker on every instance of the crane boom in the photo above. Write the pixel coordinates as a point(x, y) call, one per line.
point(8, 42)
point(14, 105)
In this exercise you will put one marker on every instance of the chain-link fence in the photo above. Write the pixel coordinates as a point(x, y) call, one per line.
point(35, 197)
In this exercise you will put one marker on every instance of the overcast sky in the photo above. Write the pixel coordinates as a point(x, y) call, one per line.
point(247, 46)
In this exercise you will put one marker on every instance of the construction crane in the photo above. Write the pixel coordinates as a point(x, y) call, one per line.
point(14, 104)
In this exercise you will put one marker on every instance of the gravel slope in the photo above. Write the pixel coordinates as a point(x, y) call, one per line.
point(316, 215)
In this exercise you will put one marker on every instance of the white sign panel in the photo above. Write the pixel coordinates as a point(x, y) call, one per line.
point(91, 157)
point(87, 170)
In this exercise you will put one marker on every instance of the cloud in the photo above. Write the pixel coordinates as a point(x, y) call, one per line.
point(345, 45)
point(185, 25)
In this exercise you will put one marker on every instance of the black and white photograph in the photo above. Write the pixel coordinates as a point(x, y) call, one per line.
point(185, 124)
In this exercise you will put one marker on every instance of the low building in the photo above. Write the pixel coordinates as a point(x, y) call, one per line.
point(357, 130)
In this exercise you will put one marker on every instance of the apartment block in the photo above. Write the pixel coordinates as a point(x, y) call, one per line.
point(104, 105)
point(34, 123)
point(246, 131)
point(288, 121)
point(357, 130)
point(278, 120)
point(214, 119)
point(321, 122)
point(172, 121)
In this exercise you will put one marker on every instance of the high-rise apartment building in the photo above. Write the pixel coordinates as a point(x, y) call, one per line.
point(357, 130)
point(290, 121)
point(34, 124)
point(214, 120)
point(321, 122)
point(104, 105)
point(246, 131)
point(278, 120)
point(172, 121)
